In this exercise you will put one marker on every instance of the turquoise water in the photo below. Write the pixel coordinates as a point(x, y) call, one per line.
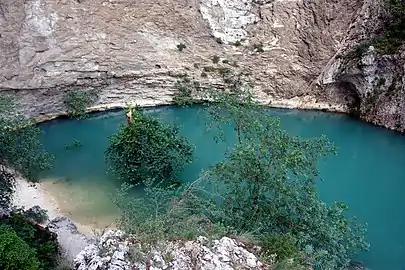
point(367, 173)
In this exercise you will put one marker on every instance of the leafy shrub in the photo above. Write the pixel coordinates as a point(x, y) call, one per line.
point(204, 74)
point(181, 47)
point(215, 59)
point(381, 81)
point(20, 147)
point(284, 245)
point(7, 185)
point(40, 239)
point(237, 43)
point(164, 214)
point(219, 40)
point(393, 32)
point(22, 244)
point(266, 184)
point(183, 95)
point(15, 254)
point(220, 70)
point(148, 150)
point(76, 102)
point(36, 214)
point(258, 47)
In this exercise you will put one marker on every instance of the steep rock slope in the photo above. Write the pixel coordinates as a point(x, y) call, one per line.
point(127, 49)
point(375, 77)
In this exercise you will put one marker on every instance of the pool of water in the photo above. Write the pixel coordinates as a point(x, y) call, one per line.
point(367, 173)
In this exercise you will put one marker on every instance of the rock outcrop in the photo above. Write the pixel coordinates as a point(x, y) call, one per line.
point(128, 50)
point(71, 241)
point(376, 80)
point(116, 251)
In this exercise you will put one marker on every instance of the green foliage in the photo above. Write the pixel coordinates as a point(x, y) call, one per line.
point(181, 47)
point(148, 151)
point(237, 43)
point(7, 185)
point(284, 245)
point(41, 240)
point(215, 59)
point(20, 147)
point(258, 47)
point(393, 32)
point(381, 81)
point(73, 145)
point(265, 186)
point(358, 51)
point(204, 74)
point(163, 214)
point(76, 102)
point(15, 254)
point(220, 70)
point(219, 40)
point(36, 214)
point(22, 245)
point(183, 95)
point(225, 61)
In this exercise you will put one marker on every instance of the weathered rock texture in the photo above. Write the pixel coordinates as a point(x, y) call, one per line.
point(376, 81)
point(127, 50)
point(116, 251)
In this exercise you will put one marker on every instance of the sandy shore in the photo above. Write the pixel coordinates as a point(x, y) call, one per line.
point(30, 194)
point(27, 195)
point(71, 241)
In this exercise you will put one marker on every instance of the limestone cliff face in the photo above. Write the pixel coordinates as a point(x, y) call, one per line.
point(128, 49)
point(376, 80)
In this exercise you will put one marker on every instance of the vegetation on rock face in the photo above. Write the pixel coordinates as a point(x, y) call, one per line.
point(393, 32)
point(76, 102)
point(147, 150)
point(183, 95)
point(258, 47)
point(265, 187)
point(181, 46)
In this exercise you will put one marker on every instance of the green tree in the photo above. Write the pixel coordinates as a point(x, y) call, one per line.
point(15, 254)
point(20, 147)
point(146, 150)
point(76, 102)
point(22, 245)
point(41, 240)
point(267, 184)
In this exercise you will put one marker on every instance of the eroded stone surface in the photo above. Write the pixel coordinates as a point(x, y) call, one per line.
point(376, 81)
point(128, 50)
point(117, 251)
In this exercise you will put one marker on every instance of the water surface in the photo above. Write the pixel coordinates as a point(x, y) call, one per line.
point(367, 173)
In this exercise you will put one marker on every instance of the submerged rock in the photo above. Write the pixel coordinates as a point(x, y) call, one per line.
point(115, 250)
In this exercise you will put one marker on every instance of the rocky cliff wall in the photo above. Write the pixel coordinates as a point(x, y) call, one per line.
point(127, 49)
